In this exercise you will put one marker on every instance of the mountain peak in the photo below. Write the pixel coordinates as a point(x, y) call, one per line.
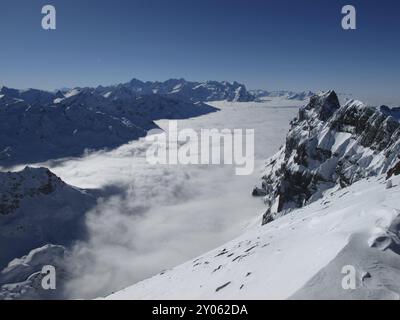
point(324, 104)
point(32, 181)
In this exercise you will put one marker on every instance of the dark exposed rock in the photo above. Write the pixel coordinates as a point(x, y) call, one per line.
point(394, 171)
point(258, 192)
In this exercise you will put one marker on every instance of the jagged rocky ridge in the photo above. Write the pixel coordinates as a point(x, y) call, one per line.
point(329, 145)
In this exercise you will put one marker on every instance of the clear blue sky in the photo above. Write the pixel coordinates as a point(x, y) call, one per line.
point(286, 44)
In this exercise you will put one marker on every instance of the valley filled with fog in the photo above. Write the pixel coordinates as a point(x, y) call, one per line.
point(160, 216)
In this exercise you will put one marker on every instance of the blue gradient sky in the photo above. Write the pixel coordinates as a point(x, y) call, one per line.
point(266, 44)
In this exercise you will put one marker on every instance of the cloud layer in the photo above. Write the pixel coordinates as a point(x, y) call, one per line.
point(165, 215)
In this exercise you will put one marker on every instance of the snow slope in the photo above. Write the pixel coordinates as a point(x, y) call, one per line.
point(300, 255)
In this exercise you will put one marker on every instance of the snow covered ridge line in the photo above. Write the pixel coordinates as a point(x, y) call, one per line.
point(329, 145)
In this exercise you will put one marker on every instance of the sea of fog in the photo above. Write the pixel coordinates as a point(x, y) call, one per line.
point(164, 215)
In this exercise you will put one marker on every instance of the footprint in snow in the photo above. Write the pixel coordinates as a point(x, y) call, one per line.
point(216, 269)
point(248, 250)
point(222, 253)
point(238, 258)
point(223, 286)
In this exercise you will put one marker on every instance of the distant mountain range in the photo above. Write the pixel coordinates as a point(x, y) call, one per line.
point(39, 125)
point(261, 95)
point(181, 89)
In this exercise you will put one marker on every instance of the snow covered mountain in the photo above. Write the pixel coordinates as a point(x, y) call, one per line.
point(37, 133)
point(138, 110)
point(182, 89)
point(328, 145)
point(48, 126)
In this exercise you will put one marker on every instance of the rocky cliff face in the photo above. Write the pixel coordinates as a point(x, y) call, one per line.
point(328, 146)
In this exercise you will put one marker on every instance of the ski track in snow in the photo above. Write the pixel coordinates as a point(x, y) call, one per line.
point(166, 214)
